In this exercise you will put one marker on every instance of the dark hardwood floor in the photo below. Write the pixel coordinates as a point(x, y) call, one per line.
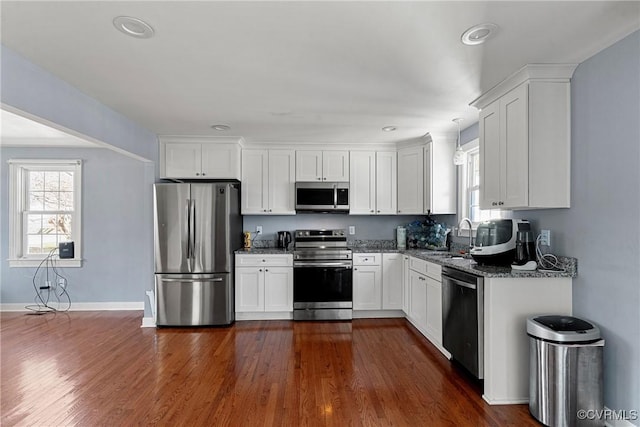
point(101, 368)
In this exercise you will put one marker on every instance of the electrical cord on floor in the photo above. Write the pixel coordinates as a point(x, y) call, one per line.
point(51, 289)
point(547, 262)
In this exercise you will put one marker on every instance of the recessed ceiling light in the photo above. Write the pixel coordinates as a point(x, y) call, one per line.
point(220, 127)
point(389, 128)
point(133, 27)
point(478, 34)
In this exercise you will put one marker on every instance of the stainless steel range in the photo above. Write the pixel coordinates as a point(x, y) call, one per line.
point(322, 276)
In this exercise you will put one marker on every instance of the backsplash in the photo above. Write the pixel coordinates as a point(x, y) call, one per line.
point(368, 227)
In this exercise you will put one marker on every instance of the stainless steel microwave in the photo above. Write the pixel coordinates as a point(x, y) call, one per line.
point(322, 197)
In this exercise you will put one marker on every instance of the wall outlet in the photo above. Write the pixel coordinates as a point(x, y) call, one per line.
point(545, 237)
point(352, 230)
point(258, 229)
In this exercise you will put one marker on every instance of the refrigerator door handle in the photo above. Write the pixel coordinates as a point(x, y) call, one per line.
point(216, 279)
point(187, 226)
point(193, 229)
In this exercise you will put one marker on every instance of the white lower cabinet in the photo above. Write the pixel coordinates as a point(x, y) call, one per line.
point(392, 292)
point(263, 284)
point(418, 300)
point(434, 310)
point(377, 284)
point(405, 284)
point(367, 282)
point(424, 305)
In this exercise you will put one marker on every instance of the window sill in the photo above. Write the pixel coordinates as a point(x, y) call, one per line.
point(23, 262)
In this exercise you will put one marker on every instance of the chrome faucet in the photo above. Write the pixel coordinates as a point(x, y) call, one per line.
point(468, 221)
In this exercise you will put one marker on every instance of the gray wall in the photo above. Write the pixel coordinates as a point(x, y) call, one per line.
point(602, 227)
point(116, 229)
point(367, 227)
point(36, 92)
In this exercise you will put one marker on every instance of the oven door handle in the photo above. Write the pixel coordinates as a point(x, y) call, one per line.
point(321, 264)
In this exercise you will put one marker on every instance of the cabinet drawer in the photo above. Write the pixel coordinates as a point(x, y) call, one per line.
point(367, 259)
point(427, 268)
point(264, 260)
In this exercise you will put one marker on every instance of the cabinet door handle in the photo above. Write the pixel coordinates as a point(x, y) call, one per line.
point(260, 270)
point(378, 210)
point(197, 174)
point(371, 210)
point(324, 179)
point(500, 203)
point(203, 173)
point(494, 204)
point(269, 210)
point(319, 179)
point(266, 269)
point(355, 269)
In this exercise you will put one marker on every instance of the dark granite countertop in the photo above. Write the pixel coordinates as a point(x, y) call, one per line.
point(263, 251)
point(445, 259)
point(470, 266)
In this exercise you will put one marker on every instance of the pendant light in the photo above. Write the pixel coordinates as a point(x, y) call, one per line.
point(459, 156)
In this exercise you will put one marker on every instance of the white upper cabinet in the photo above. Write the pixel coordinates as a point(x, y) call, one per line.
point(362, 183)
point(525, 139)
point(373, 183)
point(315, 165)
point(426, 179)
point(411, 180)
point(439, 178)
point(198, 158)
point(386, 183)
point(268, 185)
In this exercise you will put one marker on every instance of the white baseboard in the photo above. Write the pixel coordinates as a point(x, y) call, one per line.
point(148, 322)
point(272, 315)
point(377, 314)
point(82, 306)
point(514, 401)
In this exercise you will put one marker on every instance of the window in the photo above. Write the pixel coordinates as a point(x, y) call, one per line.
point(45, 210)
point(469, 180)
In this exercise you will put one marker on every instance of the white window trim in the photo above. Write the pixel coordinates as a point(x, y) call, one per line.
point(463, 200)
point(16, 202)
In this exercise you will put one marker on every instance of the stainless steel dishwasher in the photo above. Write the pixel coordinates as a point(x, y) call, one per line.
point(463, 318)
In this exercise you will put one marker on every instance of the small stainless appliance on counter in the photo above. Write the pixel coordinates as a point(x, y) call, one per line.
point(496, 241)
point(322, 276)
point(197, 228)
point(284, 239)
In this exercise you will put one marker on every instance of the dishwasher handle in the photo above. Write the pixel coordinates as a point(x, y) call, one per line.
point(460, 282)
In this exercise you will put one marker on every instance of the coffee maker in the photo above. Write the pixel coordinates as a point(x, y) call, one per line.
point(525, 256)
point(284, 238)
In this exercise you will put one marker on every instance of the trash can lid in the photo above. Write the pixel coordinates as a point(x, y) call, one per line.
point(562, 329)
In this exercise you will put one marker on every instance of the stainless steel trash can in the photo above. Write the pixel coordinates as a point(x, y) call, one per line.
point(565, 371)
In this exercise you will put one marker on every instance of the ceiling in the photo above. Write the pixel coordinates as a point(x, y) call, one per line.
point(304, 72)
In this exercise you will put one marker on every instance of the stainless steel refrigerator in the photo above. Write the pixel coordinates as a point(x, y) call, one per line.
point(197, 228)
